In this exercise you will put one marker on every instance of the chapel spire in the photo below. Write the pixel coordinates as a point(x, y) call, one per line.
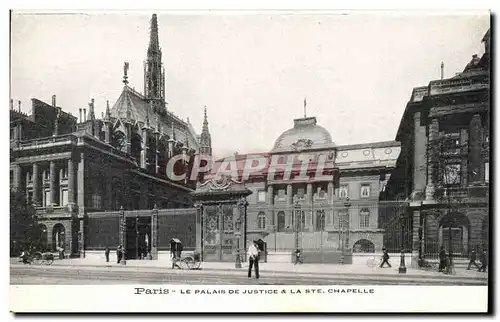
point(154, 74)
point(205, 138)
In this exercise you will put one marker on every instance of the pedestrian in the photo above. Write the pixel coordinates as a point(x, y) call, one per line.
point(119, 254)
point(253, 257)
point(442, 259)
point(298, 256)
point(106, 253)
point(385, 258)
point(484, 262)
point(472, 260)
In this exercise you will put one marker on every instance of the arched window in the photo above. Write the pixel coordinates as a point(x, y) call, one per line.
point(363, 246)
point(364, 218)
point(261, 220)
point(281, 221)
point(320, 220)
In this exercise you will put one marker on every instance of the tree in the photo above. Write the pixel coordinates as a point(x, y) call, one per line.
point(24, 229)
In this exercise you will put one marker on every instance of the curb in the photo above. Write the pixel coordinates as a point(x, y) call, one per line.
point(378, 276)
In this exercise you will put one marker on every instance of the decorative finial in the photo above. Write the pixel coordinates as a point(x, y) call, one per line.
point(305, 106)
point(125, 72)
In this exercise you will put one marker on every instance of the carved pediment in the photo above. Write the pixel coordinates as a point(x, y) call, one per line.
point(219, 184)
point(302, 144)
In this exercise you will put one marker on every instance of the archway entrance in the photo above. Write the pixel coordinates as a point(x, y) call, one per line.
point(58, 234)
point(454, 229)
point(363, 246)
point(138, 240)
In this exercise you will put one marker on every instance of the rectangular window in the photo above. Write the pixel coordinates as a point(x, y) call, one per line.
point(343, 191)
point(365, 190)
point(261, 196)
point(64, 198)
point(47, 198)
point(487, 172)
point(364, 218)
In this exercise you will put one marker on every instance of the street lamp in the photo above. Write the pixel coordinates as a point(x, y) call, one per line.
point(402, 266)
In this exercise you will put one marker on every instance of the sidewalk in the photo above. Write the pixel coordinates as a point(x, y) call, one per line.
point(280, 268)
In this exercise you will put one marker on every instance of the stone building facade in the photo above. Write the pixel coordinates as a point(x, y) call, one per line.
point(443, 169)
point(70, 166)
point(333, 206)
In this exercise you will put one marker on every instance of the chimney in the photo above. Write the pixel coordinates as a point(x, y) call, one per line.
point(85, 115)
point(19, 105)
point(53, 101)
point(11, 104)
point(80, 119)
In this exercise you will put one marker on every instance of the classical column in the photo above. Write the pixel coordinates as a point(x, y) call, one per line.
point(289, 202)
point(154, 233)
point(475, 142)
point(309, 193)
point(17, 177)
point(81, 184)
point(53, 183)
point(464, 141)
point(36, 185)
point(170, 148)
point(329, 191)
point(71, 181)
point(433, 136)
point(270, 204)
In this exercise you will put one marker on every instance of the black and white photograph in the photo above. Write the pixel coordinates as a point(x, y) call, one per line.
point(306, 157)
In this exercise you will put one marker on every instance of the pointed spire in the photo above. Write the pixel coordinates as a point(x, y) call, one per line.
point(205, 119)
point(125, 73)
point(154, 43)
point(305, 106)
point(107, 115)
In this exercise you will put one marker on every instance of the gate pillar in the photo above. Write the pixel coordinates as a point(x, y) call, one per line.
point(154, 233)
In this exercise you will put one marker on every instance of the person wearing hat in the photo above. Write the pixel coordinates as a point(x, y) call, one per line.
point(472, 260)
point(484, 262)
point(253, 258)
point(442, 259)
point(385, 258)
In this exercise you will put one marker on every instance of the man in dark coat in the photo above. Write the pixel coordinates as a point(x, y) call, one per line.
point(106, 253)
point(119, 254)
point(472, 260)
point(385, 258)
point(442, 259)
point(484, 262)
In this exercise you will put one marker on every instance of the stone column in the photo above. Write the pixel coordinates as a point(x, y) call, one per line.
point(464, 141)
point(199, 216)
point(433, 135)
point(81, 184)
point(289, 202)
point(330, 191)
point(170, 151)
point(415, 239)
point(419, 154)
point(475, 142)
point(154, 233)
point(17, 177)
point(36, 185)
point(53, 182)
point(71, 181)
point(270, 204)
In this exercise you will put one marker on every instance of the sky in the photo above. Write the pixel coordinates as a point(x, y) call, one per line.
point(251, 70)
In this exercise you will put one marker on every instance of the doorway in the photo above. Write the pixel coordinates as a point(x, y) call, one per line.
point(138, 239)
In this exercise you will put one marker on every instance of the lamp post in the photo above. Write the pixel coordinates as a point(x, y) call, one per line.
point(345, 230)
point(402, 266)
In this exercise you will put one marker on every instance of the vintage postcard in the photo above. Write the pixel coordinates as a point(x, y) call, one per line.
point(220, 161)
